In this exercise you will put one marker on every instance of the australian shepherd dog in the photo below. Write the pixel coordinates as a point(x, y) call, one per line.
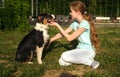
point(34, 41)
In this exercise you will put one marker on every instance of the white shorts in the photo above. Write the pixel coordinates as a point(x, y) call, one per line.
point(78, 56)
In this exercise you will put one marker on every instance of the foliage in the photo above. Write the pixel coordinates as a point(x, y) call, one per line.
point(109, 57)
point(15, 14)
point(94, 7)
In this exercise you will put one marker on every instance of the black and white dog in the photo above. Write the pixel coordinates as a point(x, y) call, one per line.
point(34, 41)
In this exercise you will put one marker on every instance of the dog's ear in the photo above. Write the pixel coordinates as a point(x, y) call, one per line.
point(42, 20)
point(45, 21)
point(39, 18)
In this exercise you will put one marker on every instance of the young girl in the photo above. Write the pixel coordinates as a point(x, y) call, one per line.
point(85, 32)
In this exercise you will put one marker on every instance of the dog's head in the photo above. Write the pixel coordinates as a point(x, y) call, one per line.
point(43, 20)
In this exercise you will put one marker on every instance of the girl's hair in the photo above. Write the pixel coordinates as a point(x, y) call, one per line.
point(80, 6)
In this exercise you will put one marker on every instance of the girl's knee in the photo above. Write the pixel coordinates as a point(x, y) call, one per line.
point(67, 57)
point(64, 56)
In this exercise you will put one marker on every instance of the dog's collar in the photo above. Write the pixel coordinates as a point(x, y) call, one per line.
point(41, 26)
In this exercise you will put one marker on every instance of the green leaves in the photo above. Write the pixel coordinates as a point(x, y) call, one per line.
point(15, 14)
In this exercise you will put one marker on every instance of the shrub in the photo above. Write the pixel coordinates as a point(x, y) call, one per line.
point(14, 15)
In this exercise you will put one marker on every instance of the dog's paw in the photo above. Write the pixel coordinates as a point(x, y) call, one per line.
point(30, 62)
point(40, 62)
point(47, 44)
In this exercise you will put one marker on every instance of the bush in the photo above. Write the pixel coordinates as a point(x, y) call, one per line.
point(14, 15)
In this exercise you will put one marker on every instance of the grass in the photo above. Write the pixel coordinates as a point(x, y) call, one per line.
point(109, 57)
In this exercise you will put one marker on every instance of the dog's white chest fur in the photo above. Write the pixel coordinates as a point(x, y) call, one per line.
point(43, 28)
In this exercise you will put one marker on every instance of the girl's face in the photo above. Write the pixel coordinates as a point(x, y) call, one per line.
point(74, 14)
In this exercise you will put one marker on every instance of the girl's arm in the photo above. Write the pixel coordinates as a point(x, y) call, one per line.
point(59, 35)
point(73, 36)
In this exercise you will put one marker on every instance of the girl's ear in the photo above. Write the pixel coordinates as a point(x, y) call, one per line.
point(79, 13)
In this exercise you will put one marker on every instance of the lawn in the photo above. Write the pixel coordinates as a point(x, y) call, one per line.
point(109, 57)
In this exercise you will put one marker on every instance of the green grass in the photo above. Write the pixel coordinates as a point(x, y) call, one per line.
point(109, 57)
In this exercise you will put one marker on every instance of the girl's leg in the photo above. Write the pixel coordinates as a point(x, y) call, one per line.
point(78, 56)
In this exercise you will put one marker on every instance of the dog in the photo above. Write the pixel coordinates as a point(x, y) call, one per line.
point(34, 41)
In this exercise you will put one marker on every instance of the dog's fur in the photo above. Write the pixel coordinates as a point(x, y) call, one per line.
point(34, 41)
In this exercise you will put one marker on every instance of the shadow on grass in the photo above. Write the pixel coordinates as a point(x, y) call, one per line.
point(58, 44)
point(49, 48)
point(71, 45)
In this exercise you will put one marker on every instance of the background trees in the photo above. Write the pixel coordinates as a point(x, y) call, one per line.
point(95, 7)
point(15, 13)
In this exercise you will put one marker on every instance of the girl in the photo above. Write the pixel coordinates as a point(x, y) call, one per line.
point(85, 32)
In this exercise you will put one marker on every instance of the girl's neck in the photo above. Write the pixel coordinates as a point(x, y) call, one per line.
point(80, 18)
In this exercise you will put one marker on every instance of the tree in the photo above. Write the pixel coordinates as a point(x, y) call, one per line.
point(15, 14)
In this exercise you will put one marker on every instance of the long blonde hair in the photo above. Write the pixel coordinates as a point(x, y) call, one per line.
point(80, 6)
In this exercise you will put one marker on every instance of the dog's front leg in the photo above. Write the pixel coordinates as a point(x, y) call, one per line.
point(39, 54)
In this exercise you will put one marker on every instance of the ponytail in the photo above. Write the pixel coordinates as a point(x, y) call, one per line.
point(93, 34)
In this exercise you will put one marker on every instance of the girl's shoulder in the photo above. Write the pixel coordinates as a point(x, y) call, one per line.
point(85, 24)
point(84, 21)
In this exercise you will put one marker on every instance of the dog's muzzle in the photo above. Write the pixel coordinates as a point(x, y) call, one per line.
point(50, 20)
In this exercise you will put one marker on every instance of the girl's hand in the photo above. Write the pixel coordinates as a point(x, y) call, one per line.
point(53, 24)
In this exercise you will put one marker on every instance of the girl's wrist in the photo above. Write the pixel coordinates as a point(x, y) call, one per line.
point(57, 25)
point(51, 40)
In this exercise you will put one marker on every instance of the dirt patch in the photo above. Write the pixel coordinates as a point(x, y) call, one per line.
point(4, 61)
point(77, 72)
point(17, 73)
